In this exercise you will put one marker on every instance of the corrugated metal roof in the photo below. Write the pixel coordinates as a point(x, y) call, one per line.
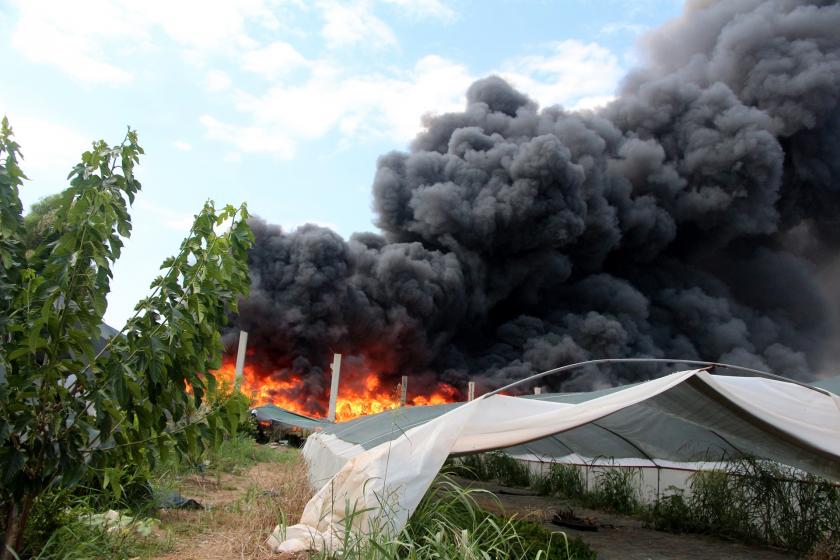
point(272, 413)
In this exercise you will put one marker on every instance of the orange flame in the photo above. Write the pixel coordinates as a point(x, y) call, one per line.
point(359, 394)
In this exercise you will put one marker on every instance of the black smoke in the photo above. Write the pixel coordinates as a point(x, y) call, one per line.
point(693, 217)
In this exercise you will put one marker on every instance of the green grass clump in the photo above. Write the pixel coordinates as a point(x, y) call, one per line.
point(50, 511)
point(80, 540)
point(616, 489)
point(449, 524)
point(494, 466)
point(239, 453)
point(565, 481)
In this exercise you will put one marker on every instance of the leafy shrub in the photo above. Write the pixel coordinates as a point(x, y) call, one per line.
point(507, 470)
point(616, 489)
point(471, 467)
point(73, 402)
point(671, 513)
point(563, 480)
point(50, 510)
point(493, 466)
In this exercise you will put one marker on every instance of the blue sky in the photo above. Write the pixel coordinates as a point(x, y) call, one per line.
point(284, 104)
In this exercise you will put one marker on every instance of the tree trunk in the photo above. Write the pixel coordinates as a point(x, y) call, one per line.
point(15, 524)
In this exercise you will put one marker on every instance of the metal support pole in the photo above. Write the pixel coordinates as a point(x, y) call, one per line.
point(404, 390)
point(470, 390)
point(240, 359)
point(336, 371)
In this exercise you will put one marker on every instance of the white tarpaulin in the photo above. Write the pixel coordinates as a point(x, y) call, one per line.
point(782, 421)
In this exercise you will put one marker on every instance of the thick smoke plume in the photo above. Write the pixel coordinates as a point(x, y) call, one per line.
point(693, 217)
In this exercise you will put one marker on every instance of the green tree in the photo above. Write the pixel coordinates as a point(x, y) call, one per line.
point(39, 224)
point(68, 409)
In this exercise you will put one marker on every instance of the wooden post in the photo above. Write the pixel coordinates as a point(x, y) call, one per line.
point(470, 390)
point(404, 390)
point(336, 371)
point(240, 359)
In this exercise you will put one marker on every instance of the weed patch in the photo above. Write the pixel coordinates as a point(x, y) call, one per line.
point(493, 466)
point(756, 502)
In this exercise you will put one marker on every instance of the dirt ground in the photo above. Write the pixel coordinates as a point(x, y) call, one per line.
point(240, 512)
point(621, 537)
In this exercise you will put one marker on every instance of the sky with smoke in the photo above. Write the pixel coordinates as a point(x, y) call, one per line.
point(695, 216)
point(283, 103)
point(555, 193)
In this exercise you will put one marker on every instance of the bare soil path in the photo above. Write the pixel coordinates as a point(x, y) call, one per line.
point(624, 537)
point(240, 512)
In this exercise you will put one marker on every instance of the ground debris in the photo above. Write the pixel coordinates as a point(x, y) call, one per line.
point(567, 518)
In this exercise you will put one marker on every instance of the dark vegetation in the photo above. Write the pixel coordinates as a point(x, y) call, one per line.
point(757, 502)
point(752, 501)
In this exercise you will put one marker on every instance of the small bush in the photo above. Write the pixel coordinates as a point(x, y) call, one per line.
point(671, 513)
point(507, 470)
point(616, 489)
point(493, 466)
point(565, 481)
point(471, 467)
point(50, 511)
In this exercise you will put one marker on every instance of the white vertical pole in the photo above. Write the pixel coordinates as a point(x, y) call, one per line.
point(470, 390)
point(336, 371)
point(538, 390)
point(240, 359)
point(404, 390)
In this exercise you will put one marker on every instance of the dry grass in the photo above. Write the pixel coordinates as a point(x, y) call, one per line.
point(242, 510)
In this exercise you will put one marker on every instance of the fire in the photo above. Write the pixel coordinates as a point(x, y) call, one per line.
point(360, 394)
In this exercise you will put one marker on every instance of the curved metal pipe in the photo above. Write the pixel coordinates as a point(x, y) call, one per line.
point(755, 372)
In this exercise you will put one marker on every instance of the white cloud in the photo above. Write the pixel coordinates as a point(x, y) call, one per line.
point(68, 36)
point(216, 80)
point(252, 139)
point(349, 23)
point(273, 60)
point(183, 146)
point(573, 73)
point(356, 106)
point(331, 100)
point(86, 38)
point(49, 149)
point(434, 9)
